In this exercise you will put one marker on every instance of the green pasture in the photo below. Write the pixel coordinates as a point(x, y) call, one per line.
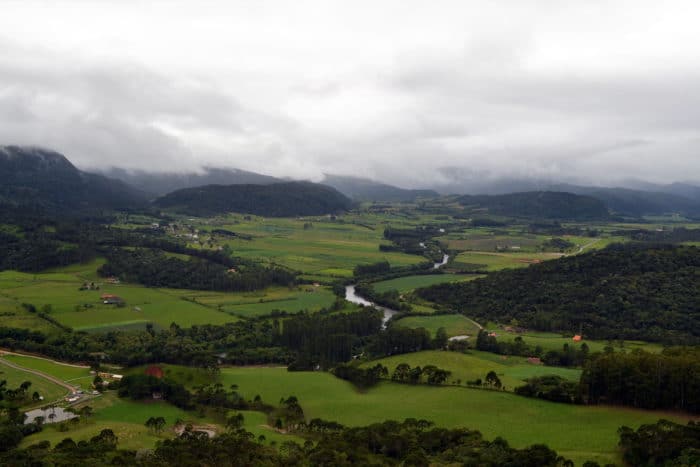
point(327, 248)
point(257, 423)
point(84, 310)
point(125, 417)
point(554, 341)
point(455, 325)
point(14, 377)
point(577, 432)
point(408, 283)
point(261, 302)
point(475, 365)
point(71, 374)
point(491, 261)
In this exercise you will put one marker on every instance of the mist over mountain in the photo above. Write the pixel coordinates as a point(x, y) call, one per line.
point(160, 183)
point(538, 205)
point(364, 189)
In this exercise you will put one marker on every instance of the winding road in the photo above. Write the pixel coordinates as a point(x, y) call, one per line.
point(38, 373)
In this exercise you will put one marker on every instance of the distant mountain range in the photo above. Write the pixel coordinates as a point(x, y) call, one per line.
point(35, 178)
point(364, 189)
point(275, 200)
point(356, 188)
point(161, 183)
point(40, 178)
point(539, 205)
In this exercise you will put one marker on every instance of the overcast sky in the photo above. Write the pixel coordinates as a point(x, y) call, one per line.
point(410, 92)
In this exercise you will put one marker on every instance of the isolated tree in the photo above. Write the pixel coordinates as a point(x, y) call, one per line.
point(440, 341)
point(159, 424)
point(235, 422)
point(492, 379)
point(85, 412)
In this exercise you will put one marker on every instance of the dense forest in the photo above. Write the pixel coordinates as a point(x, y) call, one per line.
point(35, 178)
point(635, 291)
point(539, 205)
point(276, 200)
point(670, 380)
point(156, 269)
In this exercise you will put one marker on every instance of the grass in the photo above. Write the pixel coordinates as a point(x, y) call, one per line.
point(328, 248)
point(577, 432)
point(553, 341)
point(59, 290)
point(125, 417)
point(409, 283)
point(468, 367)
point(455, 325)
point(490, 261)
point(14, 377)
point(262, 302)
point(70, 374)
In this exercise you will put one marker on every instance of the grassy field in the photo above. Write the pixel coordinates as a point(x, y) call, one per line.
point(70, 374)
point(553, 341)
point(14, 377)
point(262, 302)
point(455, 325)
point(409, 283)
point(328, 248)
point(577, 432)
point(475, 365)
point(127, 419)
point(492, 261)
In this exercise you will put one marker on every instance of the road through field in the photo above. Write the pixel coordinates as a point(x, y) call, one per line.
point(40, 374)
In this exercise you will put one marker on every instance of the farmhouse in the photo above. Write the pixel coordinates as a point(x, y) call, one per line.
point(109, 299)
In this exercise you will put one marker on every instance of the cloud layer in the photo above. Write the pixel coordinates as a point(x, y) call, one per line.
point(409, 92)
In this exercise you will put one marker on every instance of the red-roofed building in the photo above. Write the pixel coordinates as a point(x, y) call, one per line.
point(578, 338)
point(155, 371)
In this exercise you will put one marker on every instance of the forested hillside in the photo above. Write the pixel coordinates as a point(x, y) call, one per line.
point(539, 205)
point(624, 291)
point(38, 179)
point(276, 200)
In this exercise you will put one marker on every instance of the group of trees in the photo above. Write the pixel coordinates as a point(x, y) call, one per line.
point(361, 377)
point(552, 388)
point(416, 241)
point(430, 374)
point(636, 291)
point(327, 339)
point(569, 355)
point(410, 443)
point(669, 380)
point(662, 443)
point(156, 269)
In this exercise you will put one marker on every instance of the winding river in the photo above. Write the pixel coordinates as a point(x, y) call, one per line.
point(352, 296)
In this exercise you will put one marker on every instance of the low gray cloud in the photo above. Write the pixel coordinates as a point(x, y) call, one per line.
point(406, 93)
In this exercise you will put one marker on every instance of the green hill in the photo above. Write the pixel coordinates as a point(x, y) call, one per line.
point(34, 178)
point(539, 205)
point(276, 200)
point(634, 291)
